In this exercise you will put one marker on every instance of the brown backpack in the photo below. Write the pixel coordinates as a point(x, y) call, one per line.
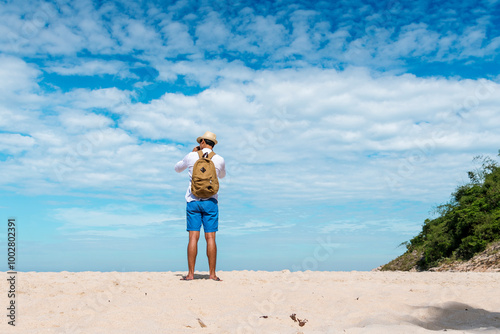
point(204, 182)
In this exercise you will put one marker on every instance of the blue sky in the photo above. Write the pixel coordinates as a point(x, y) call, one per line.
point(342, 124)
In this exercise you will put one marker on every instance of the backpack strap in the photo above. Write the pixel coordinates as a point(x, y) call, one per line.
point(200, 154)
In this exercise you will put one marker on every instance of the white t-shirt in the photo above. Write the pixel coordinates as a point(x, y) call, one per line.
point(189, 161)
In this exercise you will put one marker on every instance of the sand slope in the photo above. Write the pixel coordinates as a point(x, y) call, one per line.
point(255, 302)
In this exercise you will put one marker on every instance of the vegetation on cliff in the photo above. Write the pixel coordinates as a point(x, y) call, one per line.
point(465, 225)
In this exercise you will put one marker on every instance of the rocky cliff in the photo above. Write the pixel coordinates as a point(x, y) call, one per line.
point(486, 261)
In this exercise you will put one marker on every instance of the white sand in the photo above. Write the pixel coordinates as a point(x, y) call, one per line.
point(332, 302)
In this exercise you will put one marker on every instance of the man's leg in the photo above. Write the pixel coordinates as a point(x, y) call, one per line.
point(192, 251)
point(211, 253)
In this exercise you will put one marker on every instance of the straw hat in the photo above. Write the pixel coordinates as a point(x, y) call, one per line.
point(208, 135)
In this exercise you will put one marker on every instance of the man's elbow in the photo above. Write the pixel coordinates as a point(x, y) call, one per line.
point(178, 168)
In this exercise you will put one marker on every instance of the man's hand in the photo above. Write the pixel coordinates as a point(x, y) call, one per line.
point(196, 149)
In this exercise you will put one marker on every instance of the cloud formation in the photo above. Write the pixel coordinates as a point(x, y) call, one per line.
point(388, 35)
point(348, 117)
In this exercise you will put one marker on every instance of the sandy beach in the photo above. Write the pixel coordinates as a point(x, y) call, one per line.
point(255, 302)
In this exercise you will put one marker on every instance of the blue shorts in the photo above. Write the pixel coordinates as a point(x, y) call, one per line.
point(203, 212)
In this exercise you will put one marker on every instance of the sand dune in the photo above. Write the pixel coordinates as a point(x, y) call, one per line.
point(255, 302)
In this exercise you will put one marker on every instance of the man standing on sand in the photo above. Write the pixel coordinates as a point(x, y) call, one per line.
point(202, 211)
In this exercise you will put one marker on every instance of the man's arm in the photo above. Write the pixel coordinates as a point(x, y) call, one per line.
point(184, 163)
point(222, 170)
point(181, 165)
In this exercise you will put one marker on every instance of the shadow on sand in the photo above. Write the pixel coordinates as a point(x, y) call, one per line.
point(196, 276)
point(455, 316)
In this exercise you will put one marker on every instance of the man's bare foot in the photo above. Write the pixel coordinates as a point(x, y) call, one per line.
point(187, 278)
point(215, 278)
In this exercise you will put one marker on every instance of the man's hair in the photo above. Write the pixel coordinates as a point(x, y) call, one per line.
point(209, 142)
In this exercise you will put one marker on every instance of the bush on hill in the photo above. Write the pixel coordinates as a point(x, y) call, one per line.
point(464, 226)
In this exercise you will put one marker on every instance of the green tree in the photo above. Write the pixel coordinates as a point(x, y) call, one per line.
point(465, 225)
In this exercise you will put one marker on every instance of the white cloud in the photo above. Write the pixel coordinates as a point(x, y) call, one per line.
point(343, 226)
point(414, 40)
point(253, 226)
point(373, 226)
point(471, 41)
point(92, 68)
point(257, 34)
point(96, 37)
point(341, 115)
point(16, 75)
point(177, 38)
point(77, 121)
point(203, 72)
point(493, 46)
point(113, 221)
point(212, 33)
point(50, 139)
point(273, 119)
point(60, 39)
point(293, 35)
point(13, 119)
point(136, 35)
point(15, 143)
point(115, 233)
point(106, 98)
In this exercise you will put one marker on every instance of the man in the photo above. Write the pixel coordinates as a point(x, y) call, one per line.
point(202, 211)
